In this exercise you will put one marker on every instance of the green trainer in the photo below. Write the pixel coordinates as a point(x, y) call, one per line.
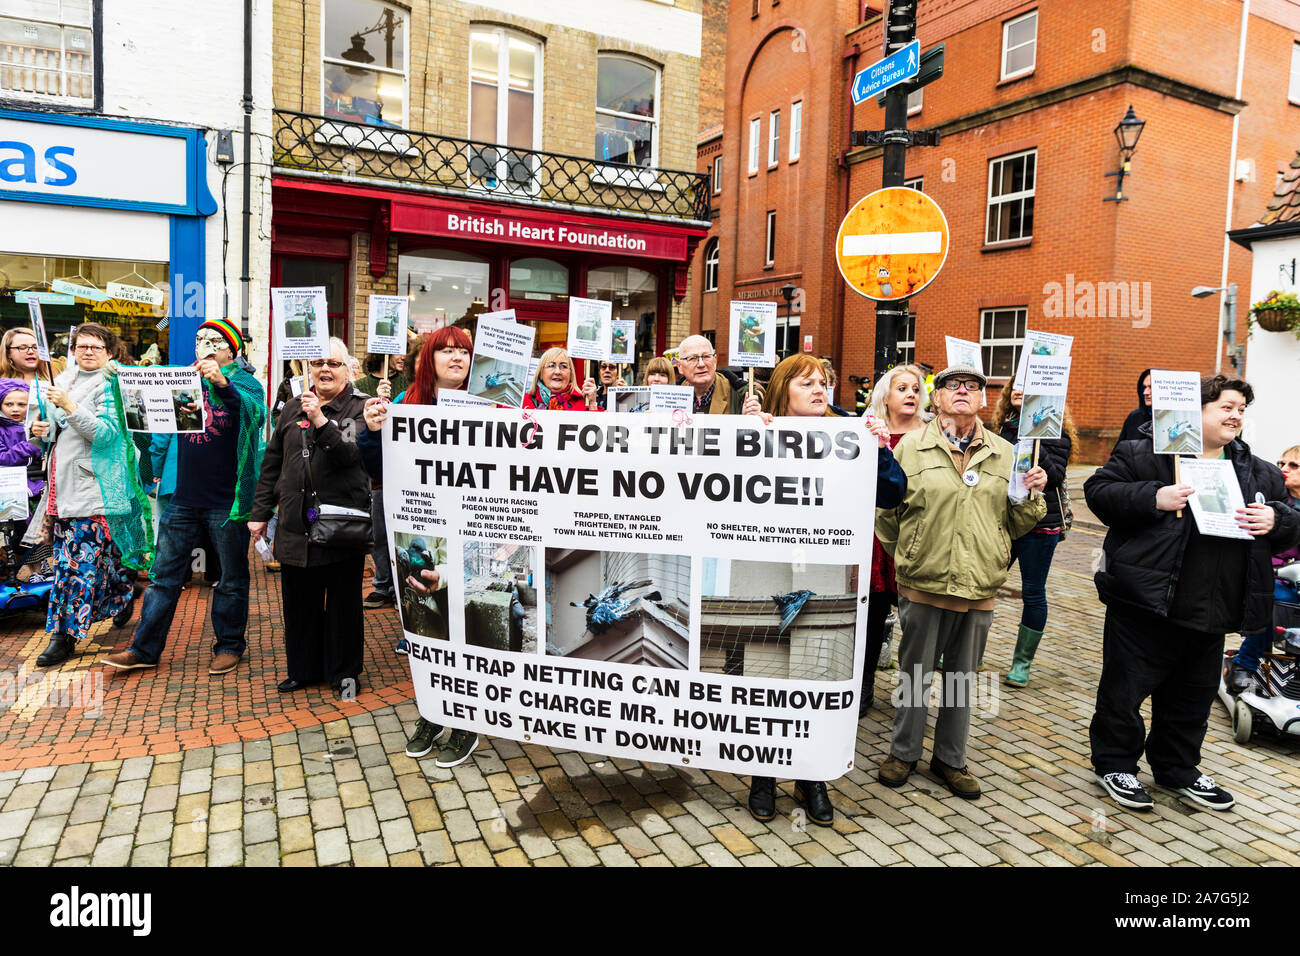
point(458, 749)
point(424, 737)
point(1026, 647)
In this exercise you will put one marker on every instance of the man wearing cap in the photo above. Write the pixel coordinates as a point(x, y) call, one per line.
point(951, 544)
point(216, 474)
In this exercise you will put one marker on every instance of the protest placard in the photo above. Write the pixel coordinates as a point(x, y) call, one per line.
point(1175, 412)
point(752, 340)
point(650, 398)
point(961, 352)
point(38, 329)
point(162, 399)
point(1021, 463)
point(1042, 413)
point(686, 594)
point(590, 328)
point(502, 350)
point(13, 493)
point(1217, 498)
point(1040, 343)
point(450, 398)
point(386, 328)
point(621, 337)
point(301, 322)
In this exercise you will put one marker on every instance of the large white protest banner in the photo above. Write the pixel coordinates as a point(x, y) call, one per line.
point(162, 398)
point(1175, 412)
point(301, 322)
point(691, 593)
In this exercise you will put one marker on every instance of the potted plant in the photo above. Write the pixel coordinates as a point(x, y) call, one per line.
point(1277, 312)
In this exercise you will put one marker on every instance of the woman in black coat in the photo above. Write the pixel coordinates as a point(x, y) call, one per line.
point(1035, 549)
point(321, 584)
point(1171, 594)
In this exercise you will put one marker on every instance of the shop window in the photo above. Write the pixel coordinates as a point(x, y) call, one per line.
point(363, 71)
point(136, 322)
point(627, 98)
point(711, 266)
point(444, 286)
point(1011, 197)
point(330, 273)
point(541, 280)
point(635, 294)
point(1001, 333)
point(47, 51)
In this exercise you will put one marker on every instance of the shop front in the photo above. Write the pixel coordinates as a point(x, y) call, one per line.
point(456, 258)
point(103, 220)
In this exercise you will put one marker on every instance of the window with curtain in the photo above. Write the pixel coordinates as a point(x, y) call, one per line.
point(505, 75)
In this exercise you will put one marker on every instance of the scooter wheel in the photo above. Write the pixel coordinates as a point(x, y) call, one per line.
point(1242, 720)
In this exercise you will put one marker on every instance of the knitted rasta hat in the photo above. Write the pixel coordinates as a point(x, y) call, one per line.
point(229, 331)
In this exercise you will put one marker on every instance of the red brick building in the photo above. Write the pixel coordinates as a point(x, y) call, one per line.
point(1031, 94)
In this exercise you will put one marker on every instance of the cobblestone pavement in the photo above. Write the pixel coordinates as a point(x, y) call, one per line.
point(229, 773)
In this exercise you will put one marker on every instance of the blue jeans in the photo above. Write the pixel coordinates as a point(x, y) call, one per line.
point(1253, 647)
point(1034, 552)
point(383, 579)
point(178, 533)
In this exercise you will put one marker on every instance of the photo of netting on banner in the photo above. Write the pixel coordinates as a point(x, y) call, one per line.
point(778, 619)
point(626, 607)
point(500, 597)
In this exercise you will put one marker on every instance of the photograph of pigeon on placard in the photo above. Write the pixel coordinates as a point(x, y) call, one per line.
point(387, 324)
point(502, 351)
point(1042, 414)
point(590, 328)
point(1175, 412)
point(629, 607)
point(300, 322)
point(621, 334)
point(500, 598)
point(1217, 498)
point(787, 620)
point(752, 340)
point(421, 567)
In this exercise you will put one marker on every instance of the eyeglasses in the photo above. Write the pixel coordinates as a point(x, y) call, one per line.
point(22, 348)
point(89, 348)
point(554, 366)
point(1288, 464)
point(323, 363)
point(696, 359)
point(953, 385)
point(606, 367)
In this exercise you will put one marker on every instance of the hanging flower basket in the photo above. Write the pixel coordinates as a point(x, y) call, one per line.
point(1275, 320)
point(1277, 312)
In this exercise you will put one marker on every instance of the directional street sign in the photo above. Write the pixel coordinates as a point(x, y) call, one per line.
point(899, 66)
point(892, 244)
point(931, 69)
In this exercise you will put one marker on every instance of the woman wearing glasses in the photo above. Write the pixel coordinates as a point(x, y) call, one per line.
point(95, 508)
point(798, 388)
point(554, 388)
point(312, 461)
point(1244, 664)
point(18, 358)
point(611, 376)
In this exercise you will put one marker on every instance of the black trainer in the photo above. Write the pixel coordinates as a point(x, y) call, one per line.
point(1205, 792)
point(1125, 790)
point(423, 738)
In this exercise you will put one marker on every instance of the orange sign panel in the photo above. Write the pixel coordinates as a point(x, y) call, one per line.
point(892, 244)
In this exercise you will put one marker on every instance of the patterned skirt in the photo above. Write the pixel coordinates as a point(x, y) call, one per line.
point(90, 583)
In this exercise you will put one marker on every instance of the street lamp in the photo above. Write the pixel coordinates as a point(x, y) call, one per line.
point(1127, 134)
point(787, 292)
point(1229, 329)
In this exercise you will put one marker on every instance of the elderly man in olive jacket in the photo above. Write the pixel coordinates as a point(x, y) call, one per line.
point(951, 544)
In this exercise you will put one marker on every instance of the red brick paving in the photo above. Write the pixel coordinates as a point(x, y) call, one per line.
point(177, 705)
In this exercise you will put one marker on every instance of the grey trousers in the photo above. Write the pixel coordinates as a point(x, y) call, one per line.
point(383, 579)
point(928, 633)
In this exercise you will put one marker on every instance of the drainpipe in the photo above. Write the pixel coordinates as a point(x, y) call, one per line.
point(247, 215)
point(851, 55)
point(1230, 334)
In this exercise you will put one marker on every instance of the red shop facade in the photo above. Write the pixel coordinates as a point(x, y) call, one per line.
point(457, 257)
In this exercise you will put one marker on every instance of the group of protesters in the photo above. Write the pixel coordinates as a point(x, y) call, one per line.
point(949, 525)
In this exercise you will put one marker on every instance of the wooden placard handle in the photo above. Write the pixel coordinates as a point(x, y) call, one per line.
point(1178, 480)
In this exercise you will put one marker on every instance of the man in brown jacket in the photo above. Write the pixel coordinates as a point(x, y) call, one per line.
point(697, 363)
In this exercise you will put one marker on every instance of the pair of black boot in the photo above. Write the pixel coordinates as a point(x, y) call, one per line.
point(810, 794)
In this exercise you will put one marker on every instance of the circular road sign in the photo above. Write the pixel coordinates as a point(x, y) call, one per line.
point(892, 243)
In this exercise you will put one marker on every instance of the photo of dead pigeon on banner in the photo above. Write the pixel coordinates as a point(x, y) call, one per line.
point(162, 399)
point(502, 351)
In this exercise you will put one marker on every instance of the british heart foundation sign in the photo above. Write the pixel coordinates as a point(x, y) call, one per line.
point(892, 244)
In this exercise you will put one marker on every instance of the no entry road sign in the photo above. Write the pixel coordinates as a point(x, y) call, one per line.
point(892, 243)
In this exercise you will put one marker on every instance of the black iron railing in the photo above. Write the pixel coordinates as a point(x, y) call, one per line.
point(387, 153)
